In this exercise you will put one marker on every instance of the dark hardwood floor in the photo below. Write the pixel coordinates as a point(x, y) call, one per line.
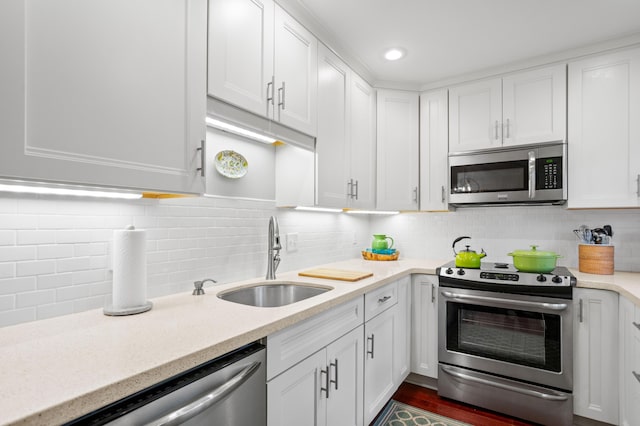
point(428, 399)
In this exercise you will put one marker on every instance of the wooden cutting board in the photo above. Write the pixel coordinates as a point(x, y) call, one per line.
point(335, 274)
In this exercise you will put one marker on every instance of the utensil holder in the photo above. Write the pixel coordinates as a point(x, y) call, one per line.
point(595, 259)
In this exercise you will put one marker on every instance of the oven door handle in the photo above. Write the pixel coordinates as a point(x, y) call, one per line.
point(510, 302)
point(194, 408)
point(529, 392)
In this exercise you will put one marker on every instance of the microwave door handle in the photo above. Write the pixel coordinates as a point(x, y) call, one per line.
point(532, 174)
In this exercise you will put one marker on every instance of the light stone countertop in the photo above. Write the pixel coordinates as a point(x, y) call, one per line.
point(58, 369)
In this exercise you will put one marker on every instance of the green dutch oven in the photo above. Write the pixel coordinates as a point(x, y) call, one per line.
point(540, 262)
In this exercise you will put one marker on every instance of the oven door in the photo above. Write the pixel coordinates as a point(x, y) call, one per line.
point(521, 337)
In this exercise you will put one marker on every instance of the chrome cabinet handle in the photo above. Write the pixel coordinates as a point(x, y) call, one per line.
point(271, 84)
point(202, 150)
point(415, 195)
point(433, 293)
point(384, 299)
point(636, 375)
point(508, 125)
point(580, 311)
point(281, 96)
point(350, 188)
point(196, 407)
point(335, 366)
point(499, 301)
point(636, 324)
point(470, 378)
point(638, 183)
point(326, 381)
point(532, 174)
point(442, 194)
point(356, 186)
point(370, 339)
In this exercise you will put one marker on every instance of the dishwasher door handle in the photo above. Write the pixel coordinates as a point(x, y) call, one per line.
point(196, 407)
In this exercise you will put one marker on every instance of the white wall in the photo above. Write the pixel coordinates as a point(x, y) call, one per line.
point(500, 230)
point(55, 252)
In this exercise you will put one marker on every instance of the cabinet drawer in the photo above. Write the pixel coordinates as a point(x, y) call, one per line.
point(287, 347)
point(379, 300)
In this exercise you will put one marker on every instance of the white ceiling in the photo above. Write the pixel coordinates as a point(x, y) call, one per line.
point(447, 38)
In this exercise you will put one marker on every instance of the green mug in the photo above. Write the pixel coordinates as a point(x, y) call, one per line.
point(380, 242)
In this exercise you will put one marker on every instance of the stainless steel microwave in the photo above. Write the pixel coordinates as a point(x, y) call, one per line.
point(528, 174)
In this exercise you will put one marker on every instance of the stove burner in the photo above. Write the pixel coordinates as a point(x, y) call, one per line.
point(501, 265)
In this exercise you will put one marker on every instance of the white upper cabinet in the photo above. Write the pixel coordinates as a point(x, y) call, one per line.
point(534, 106)
point(604, 131)
point(434, 138)
point(475, 114)
point(104, 92)
point(331, 142)
point(241, 53)
point(296, 74)
point(264, 61)
point(345, 146)
point(522, 108)
point(362, 143)
point(397, 150)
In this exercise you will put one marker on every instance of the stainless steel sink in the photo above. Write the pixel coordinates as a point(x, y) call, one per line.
point(272, 294)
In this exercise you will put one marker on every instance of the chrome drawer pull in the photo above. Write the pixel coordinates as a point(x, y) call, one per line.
point(370, 352)
point(335, 366)
point(325, 389)
point(384, 299)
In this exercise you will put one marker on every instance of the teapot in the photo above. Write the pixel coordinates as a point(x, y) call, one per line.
point(380, 242)
point(467, 258)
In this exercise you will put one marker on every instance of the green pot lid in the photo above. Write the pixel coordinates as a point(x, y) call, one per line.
point(533, 253)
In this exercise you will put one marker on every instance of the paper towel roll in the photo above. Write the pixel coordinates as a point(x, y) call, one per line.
point(129, 268)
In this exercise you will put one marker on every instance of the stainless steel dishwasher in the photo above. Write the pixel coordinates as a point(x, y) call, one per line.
point(226, 391)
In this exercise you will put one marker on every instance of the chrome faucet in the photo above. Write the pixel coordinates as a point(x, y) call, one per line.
point(273, 254)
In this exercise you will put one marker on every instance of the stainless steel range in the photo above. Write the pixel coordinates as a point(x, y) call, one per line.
point(505, 340)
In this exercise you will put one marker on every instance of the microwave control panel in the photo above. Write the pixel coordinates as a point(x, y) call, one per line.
point(549, 173)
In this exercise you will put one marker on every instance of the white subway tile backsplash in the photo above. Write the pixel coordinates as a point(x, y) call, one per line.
point(35, 298)
point(55, 280)
point(73, 264)
point(7, 302)
point(17, 285)
point(96, 302)
point(73, 293)
point(36, 267)
point(7, 270)
point(36, 236)
point(17, 316)
point(85, 277)
point(56, 251)
point(54, 310)
point(15, 253)
point(7, 238)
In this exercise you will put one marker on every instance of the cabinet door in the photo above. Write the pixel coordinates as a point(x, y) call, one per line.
point(295, 69)
point(241, 53)
point(379, 383)
point(434, 139)
point(362, 143)
point(595, 383)
point(534, 106)
point(603, 133)
point(629, 363)
point(402, 332)
point(104, 92)
point(345, 360)
point(331, 143)
point(424, 359)
point(397, 150)
point(294, 397)
point(475, 116)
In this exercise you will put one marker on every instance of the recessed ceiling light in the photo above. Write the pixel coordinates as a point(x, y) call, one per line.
point(394, 54)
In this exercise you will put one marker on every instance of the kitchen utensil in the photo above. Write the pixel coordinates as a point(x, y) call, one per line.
point(534, 261)
point(467, 258)
point(335, 274)
point(380, 242)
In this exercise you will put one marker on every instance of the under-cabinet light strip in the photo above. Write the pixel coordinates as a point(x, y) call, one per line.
point(47, 190)
point(318, 209)
point(228, 127)
point(371, 212)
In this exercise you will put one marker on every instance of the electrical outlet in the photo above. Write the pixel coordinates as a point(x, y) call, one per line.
point(292, 241)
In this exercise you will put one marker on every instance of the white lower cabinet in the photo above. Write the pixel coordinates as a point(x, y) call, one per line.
point(402, 356)
point(424, 353)
point(595, 372)
point(379, 383)
point(629, 363)
point(324, 389)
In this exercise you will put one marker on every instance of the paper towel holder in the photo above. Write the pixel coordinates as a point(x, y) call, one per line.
point(116, 312)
